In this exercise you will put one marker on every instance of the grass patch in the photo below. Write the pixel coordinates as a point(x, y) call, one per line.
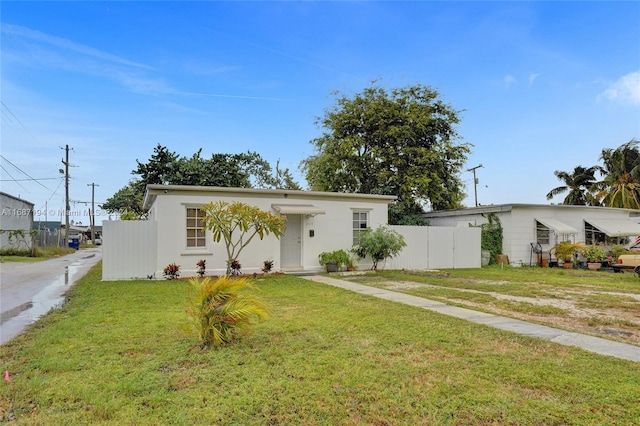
point(41, 253)
point(567, 299)
point(122, 353)
point(530, 308)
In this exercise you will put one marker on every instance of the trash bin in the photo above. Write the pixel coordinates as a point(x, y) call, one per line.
point(74, 243)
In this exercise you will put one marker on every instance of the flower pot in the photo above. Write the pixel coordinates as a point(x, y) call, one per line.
point(567, 265)
point(332, 267)
point(594, 266)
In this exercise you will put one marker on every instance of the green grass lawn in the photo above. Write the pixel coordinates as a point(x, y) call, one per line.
point(123, 353)
point(42, 253)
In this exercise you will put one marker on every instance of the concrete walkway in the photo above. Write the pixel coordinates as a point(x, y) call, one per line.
point(556, 335)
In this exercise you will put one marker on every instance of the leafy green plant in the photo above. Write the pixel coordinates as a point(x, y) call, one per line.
point(171, 271)
point(595, 253)
point(491, 236)
point(339, 257)
point(565, 250)
point(379, 244)
point(222, 309)
point(617, 250)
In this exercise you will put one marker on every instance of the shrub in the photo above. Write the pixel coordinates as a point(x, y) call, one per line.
point(234, 267)
point(340, 257)
point(595, 253)
point(491, 236)
point(268, 265)
point(202, 265)
point(221, 309)
point(379, 244)
point(172, 271)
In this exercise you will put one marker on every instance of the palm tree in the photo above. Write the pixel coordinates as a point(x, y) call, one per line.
point(621, 170)
point(223, 308)
point(578, 184)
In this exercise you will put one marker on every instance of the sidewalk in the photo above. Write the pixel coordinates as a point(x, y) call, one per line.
point(555, 335)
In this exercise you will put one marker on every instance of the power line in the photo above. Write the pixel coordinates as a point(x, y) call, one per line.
point(7, 172)
point(23, 180)
point(24, 173)
point(17, 119)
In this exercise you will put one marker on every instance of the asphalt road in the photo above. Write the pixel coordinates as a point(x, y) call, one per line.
point(28, 290)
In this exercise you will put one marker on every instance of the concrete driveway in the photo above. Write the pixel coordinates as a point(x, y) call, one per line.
point(28, 290)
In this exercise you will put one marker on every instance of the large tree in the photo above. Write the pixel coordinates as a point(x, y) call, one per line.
point(620, 186)
point(577, 184)
point(399, 142)
point(244, 170)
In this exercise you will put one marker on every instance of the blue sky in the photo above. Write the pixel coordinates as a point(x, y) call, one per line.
point(543, 86)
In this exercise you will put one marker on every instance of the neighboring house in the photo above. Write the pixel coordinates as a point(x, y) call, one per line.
point(16, 222)
point(316, 222)
point(524, 224)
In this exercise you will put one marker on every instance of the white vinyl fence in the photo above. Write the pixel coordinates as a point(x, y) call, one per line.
point(128, 249)
point(437, 247)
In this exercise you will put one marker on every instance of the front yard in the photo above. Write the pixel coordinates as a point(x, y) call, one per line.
point(598, 303)
point(123, 352)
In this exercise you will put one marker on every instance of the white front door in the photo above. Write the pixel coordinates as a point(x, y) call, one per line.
point(291, 243)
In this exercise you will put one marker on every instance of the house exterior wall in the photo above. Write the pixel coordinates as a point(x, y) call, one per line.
point(332, 230)
point(519, 224)
point(16, 214)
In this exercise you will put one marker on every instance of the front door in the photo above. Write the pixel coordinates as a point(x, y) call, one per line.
point(291, 243)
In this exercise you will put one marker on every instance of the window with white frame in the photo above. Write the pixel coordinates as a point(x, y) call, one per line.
point(360, 224)
point(195, 229)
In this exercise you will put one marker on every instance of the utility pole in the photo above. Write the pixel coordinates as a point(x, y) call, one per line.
point(66, 189)
point(475, 182)
point(93, 212)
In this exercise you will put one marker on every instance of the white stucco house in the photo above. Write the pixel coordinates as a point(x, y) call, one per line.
point(546, 225)
point(315, 221)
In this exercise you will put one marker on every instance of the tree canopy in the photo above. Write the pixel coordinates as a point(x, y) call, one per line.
point(577, 183)
point(399, 142)
point(619, 186)
point(244, 170)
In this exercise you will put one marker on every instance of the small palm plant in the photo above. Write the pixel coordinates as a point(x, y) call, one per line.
point(222, 309)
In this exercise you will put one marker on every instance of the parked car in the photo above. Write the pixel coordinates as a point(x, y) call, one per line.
point(628, 262)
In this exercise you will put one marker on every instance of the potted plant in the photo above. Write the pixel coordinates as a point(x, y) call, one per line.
point(267, 266)
point(335, 260)
point(565, 251)
point(595, 256)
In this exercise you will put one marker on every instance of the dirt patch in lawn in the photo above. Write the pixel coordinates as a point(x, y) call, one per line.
point(604, 314)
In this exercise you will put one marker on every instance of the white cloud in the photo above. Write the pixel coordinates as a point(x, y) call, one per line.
point(509, 80)
point(533, 77)
point(625, 90)
point(17, 30)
